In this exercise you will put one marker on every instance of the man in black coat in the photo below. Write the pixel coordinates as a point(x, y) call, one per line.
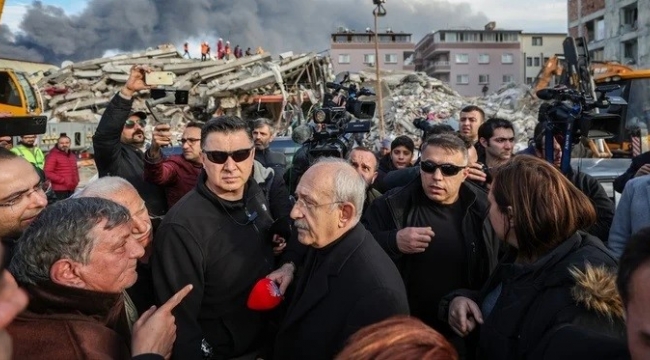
point(348, 282)
point(436, 230)
point(219, 238)
point(119, 141)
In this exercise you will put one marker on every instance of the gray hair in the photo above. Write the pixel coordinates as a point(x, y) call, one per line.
point(105, 187)
point(63, 231)
point(349, 186)
point(259, 122)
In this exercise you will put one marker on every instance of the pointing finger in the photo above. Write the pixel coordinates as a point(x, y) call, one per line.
point(177, 298)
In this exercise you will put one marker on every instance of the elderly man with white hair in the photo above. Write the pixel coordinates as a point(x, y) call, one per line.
point(349, 282)
point(140, 295)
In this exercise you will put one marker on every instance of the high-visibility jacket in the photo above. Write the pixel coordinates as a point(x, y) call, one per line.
point(33, 155)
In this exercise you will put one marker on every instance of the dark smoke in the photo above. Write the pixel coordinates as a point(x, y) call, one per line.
point(48, 34)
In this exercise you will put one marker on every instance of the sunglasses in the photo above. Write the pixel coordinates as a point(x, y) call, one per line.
point(430, 167)
point(130, 124)
point(220, 157)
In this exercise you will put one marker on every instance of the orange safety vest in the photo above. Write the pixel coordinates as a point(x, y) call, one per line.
point(204, 48)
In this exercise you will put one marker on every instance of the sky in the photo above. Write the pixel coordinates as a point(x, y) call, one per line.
point(57, 30)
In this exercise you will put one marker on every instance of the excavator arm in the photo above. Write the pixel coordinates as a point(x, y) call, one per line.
point(552, 67)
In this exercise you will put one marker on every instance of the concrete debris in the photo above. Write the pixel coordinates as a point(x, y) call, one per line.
point(259, 85)
point(409, 95)
point(79, 92)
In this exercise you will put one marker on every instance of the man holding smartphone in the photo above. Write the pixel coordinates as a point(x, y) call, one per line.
point(119, 142)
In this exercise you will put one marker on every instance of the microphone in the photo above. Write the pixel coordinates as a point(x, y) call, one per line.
point(547, 94)
point(301, 134)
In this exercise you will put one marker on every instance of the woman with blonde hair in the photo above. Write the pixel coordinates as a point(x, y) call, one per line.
point(553, 296)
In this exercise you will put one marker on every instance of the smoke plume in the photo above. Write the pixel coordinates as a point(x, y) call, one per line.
point(49, 34)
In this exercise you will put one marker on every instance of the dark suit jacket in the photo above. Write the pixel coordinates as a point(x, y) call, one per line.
point(353, 284)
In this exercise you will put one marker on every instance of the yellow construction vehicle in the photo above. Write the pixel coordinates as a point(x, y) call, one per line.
point(634, 89)
point(20, 103)
point(18, 96)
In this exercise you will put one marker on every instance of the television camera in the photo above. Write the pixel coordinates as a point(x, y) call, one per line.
point(571, 116)
point(340, 117)
point(335, 127)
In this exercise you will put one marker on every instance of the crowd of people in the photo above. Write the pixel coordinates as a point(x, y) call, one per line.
point(466, 251)
point(224, 51)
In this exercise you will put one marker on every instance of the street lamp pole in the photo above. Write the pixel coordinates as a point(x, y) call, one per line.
point(377, 12)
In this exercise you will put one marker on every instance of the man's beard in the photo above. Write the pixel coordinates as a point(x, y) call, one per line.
point(261, 146)
point(27, 145)
point(134, 142)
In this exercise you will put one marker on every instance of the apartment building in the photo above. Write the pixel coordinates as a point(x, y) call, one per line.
point(471, 61)
point(536, 49)
point(616, 30)
point(353, 51)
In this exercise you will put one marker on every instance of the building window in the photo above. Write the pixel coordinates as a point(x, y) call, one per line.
point(344, 58)
point(596, 30)
point(529, 61)
point(508, 78)
point(630, 51)
point(484, 58)
point(545, 59)
point(529, 80)
point(369, 58)
point(507, 58)
point(536, 62)
point(462, 79)
point(629, 16)
point(597, 55)
point(537, 41)
point(390, 58)
point(483, 79)
point(462, 58)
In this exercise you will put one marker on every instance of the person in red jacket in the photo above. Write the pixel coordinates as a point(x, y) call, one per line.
point(61, 168)
point(178, 174)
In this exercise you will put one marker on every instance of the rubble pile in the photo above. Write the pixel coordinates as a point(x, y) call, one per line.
point(408, 96)
point(79, 92)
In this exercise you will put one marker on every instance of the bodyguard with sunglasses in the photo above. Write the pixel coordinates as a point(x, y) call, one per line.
point(218, 238)
point(119, 142)
point(435, 229)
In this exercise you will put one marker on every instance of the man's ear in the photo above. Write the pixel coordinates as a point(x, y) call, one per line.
point(374, 177)
point(348, 212)
point(483, 142)
point(65, 272)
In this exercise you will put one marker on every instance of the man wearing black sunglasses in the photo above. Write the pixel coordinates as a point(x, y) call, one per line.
point(119, 142)
point(218, 238)
point(435, 228)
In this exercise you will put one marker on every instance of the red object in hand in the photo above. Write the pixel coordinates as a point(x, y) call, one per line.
point(264, 296)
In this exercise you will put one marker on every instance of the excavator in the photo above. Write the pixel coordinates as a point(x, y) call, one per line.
point(634, 90)
point(20, 102)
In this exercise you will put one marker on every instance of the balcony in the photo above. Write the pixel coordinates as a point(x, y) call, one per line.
point(438, 67)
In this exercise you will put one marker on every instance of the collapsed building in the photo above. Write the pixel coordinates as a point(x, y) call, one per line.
point(284, 89)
